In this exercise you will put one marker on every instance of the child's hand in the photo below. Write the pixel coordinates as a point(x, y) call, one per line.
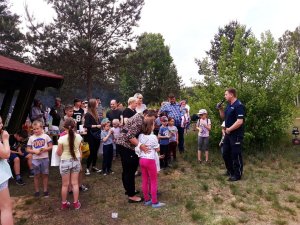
point(37, 152)
point(144, 148)
point(20, 152)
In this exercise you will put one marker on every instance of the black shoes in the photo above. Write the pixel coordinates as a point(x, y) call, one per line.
point(135, 193)
point(233, 179)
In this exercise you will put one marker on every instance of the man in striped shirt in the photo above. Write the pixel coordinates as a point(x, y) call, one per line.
point(172, 108)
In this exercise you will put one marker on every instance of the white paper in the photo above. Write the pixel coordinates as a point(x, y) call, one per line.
point(55, 159)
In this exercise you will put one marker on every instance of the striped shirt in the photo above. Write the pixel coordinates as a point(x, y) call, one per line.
point(173, 111)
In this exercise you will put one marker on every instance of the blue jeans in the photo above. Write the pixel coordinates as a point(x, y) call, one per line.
point(107, 158)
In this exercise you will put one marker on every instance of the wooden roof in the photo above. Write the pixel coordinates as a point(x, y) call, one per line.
point(13, 65)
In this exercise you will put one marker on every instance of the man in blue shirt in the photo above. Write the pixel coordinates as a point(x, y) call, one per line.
point(172, 108)
point(234, 116)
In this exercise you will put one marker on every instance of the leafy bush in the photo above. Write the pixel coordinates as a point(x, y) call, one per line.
point(266, 87)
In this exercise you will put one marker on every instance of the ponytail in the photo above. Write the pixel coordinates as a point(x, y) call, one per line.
point(71, 139)
point(70, 126)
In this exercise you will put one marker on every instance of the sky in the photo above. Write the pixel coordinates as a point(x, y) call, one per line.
point(189, 26)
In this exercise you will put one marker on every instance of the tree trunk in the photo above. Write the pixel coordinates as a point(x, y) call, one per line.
point(89, 85)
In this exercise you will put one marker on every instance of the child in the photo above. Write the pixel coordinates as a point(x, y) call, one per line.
point(148, 164)
point(70, 166)
point(69, 110)
point(203, 126)
point(39, 144)
point(18, 153)
point(5, 174)
point(157, 124)
point(164, 136)
point(107, 139)
point(173, 141)
point(77, 112)
point(116, 132)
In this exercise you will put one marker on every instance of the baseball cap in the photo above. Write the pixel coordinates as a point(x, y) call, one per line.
point(104, 121)
point(58, 99)
point(202, 111)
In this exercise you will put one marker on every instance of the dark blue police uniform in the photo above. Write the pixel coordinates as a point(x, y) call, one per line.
point(232, 147)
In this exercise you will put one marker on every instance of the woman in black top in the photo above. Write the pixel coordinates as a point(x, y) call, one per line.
point(130, 110)
point(92, 123)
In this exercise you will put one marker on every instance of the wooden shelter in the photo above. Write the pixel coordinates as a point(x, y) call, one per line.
point(25, 80)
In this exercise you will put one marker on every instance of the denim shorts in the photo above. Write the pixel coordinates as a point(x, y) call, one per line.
point(3, 185)
point(69, 166)
point(203, 143)
point(40, 166)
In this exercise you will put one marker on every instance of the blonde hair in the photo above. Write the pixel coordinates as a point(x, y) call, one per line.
point(38, 123)
point(131, 100)
point(136, 95)
point(116, 121)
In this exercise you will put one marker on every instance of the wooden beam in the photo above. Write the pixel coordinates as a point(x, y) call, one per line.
point(5, 106)
point(22, 107)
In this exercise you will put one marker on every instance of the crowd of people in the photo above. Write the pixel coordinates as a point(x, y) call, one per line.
point(141, 137)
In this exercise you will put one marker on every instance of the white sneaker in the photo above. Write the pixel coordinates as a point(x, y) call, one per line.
point(87, 172)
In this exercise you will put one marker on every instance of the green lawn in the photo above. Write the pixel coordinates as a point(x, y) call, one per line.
point(269, 193)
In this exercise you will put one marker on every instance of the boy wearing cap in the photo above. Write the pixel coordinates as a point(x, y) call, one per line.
point(203, 126)
point(164, 136)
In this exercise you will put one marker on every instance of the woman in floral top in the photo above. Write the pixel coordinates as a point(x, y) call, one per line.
point(126, 142)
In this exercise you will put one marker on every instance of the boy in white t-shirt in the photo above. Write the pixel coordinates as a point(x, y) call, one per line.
point(39, 144)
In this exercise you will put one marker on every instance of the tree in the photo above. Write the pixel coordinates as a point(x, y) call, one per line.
point(82, 38)
point(290, 41)
point(149, 69)
point(227, 32)
point(11, 39)
point(264, 86)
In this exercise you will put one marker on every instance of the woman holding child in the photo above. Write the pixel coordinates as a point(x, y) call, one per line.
point(127, 141)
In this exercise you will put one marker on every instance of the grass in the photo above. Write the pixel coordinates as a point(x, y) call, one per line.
point(194, 194)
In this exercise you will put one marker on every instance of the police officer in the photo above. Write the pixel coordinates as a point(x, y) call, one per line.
point(234, 116)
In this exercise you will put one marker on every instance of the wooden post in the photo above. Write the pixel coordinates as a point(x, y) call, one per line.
point(22, 107)
point(9, 95)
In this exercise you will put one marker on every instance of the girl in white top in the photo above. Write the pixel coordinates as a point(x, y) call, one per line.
point(148, 164)
point(5, 174)
point(69, 150)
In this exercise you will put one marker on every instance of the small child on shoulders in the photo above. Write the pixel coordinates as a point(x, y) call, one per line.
point(39, 144)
